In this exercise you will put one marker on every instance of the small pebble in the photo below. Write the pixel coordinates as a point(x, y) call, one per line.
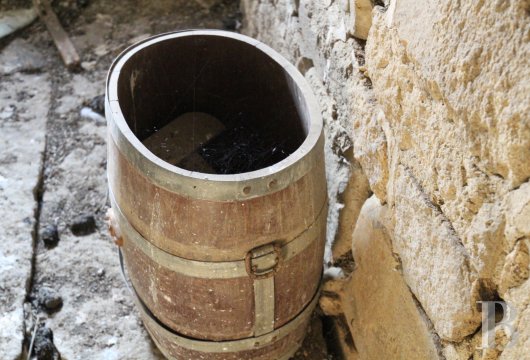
point(50, 235)
point(43, 347)
point(83, 225)
point(231, 23)
point(49, 298)
point(88, 65)
point(97, 104)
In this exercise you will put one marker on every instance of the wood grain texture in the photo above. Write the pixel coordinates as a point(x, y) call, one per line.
point(199, 307)
point(213, 230)
point(194, 307)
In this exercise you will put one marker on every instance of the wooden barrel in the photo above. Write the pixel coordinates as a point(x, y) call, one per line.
point(224, 266)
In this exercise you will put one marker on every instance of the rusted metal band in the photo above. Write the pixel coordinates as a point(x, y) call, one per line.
point(264, 298)
point(213, 186)
point(212, 269)
point(210, 186)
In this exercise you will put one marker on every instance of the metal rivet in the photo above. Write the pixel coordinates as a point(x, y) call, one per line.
point(273, 184)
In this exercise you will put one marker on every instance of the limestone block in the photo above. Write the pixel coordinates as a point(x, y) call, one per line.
point(353, 197)
point(484, 241)
point(360, 13)
point(462, 52)
point(471, 347)
point(518, 214)
point(519, 349)
point(458, 351)
point(435, 263)
point(519, 298)
point(372, 153)
point(384, 317)
point(433, 148)
point(516, 235)
point(516, 267)
point(456, 108)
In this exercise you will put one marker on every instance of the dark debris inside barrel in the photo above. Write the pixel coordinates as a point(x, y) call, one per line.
point(242, 148)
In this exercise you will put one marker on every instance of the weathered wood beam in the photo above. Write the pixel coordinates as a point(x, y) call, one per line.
point(60, 37)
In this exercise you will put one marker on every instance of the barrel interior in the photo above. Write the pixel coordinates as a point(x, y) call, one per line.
point(260, 106)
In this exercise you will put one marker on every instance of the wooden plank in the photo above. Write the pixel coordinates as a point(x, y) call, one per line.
point(60, 37)
point(196, 162)
point(181, 137)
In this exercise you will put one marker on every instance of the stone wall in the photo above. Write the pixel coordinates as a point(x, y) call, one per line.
point(428, 158)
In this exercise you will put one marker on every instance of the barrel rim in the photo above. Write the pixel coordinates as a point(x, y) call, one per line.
point(217, 186)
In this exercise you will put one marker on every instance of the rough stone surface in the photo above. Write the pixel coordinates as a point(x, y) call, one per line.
point(456, 120)
point(377, 294)
point(477, 85)
point(43, 346)
point(83, 225)
point(519, 298)
point(356, 192)
point(49, 298)
point(50, 235)
point(435, 105)
point(20, 56)
point(361, 17)
point(426, 243)
point(517, 205)
point(516, 267)
point(22, 139)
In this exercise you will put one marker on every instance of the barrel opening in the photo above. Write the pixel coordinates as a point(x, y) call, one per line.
point(212, 104)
